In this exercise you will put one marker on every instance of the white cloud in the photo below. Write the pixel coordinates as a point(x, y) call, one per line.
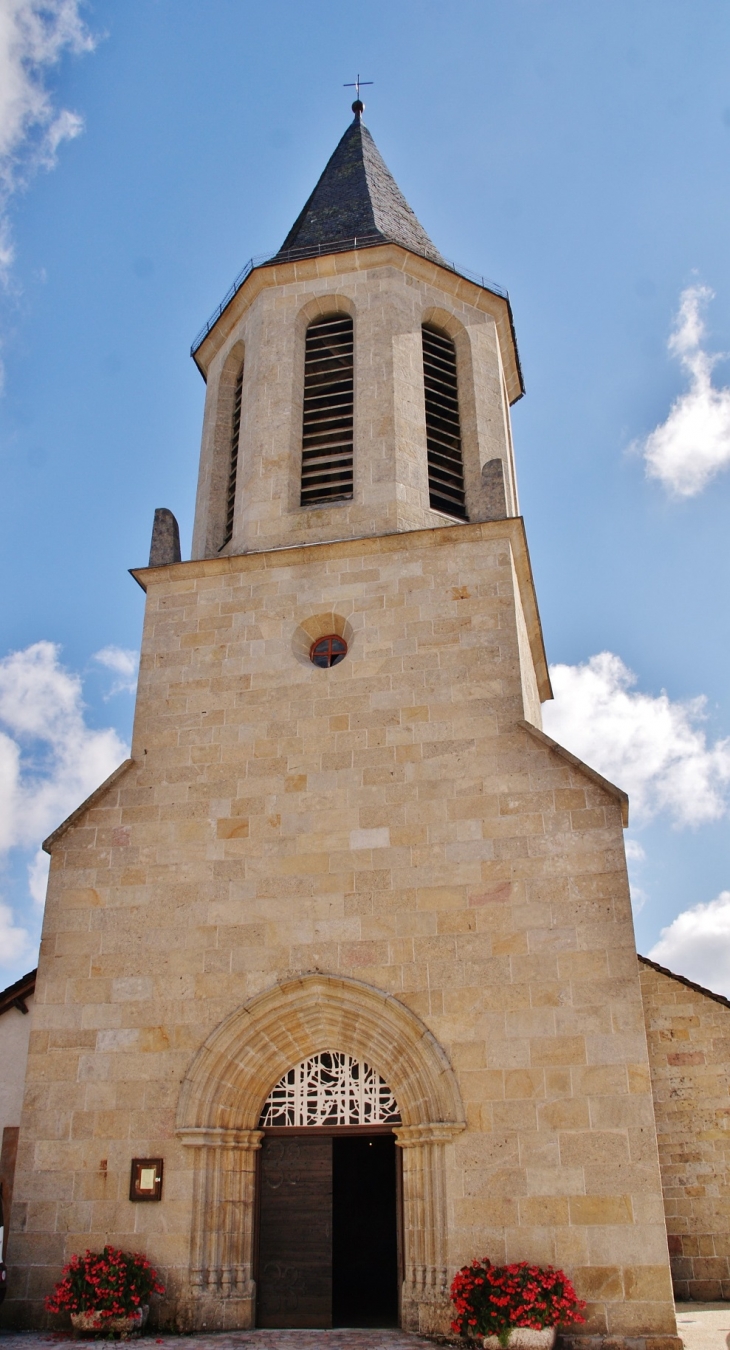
point(651, 746)
point(639, 896)
point(38, 876)
point(50, 760)
point(15, 942)
point(635, 856)
point(693, 445)
point(697, 944)
point(124, 663)
point(65, 127)
point(34, 35)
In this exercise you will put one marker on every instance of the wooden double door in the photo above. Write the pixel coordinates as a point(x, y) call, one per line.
point(328, 1230)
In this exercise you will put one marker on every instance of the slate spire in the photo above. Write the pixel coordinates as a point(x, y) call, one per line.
point(357, 198)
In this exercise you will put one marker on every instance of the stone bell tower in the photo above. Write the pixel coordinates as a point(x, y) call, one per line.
point(328, 266)
point(346, 907)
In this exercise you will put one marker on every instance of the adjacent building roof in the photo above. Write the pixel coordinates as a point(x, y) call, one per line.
point(682, 979)
point(90, 801)
point(595, 777)
point(356, 198)
point(16, 994)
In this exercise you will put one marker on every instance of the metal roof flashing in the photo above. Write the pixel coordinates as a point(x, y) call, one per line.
point(300, 264)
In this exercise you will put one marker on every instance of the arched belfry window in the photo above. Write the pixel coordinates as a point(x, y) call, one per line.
point(233, 461)
point(331, 1088)
point(327, 430)
point(443, 430)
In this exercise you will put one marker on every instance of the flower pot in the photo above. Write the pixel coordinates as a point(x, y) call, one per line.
point(91, 1322)
point(524, 1338)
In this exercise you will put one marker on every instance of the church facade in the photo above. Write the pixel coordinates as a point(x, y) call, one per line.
point(348, 934)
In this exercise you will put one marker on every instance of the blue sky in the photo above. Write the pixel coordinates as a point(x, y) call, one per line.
point(578, 154)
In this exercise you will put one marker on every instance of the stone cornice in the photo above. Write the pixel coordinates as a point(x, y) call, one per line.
point(511, 529)
point(364, 260)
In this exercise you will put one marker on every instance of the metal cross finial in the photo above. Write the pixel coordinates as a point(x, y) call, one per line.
point(355, 84)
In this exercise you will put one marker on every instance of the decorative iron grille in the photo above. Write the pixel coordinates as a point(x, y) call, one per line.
point(327, 430)
point(233, 467)
point(330, 1089)
point(443, 429)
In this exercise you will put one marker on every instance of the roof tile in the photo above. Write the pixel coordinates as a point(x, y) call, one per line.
point(357, 198)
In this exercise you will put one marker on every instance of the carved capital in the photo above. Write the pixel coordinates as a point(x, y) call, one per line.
point(436, 1132)
point(205, 1137)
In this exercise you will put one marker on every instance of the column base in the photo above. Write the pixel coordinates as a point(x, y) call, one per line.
point(210, 1312)
point(427, 1316)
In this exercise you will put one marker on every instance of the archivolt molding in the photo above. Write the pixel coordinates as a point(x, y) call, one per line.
point(321, 306)
point(446, 320)
point(220, 1106)
point(233, 1072)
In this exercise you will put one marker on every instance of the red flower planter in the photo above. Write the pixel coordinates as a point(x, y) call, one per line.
point(106, 1292)
point(507, 1305)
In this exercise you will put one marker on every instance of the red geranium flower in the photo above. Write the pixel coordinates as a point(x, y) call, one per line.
point(111, 1283)
point(493, 1299)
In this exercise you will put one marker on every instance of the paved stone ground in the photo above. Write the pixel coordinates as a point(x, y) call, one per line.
point(241, 1340)
point(702, 1326)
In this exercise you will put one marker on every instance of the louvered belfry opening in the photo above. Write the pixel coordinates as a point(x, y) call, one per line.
point(443, 431)
point(233, 465)
point(327, 431)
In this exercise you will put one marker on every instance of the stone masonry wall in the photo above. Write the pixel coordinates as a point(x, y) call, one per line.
point(688, 1031)
point(390, 821)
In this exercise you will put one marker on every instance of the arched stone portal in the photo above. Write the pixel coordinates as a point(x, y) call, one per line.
point(220, 1106)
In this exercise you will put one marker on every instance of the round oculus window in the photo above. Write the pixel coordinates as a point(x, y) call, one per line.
point(328, 651)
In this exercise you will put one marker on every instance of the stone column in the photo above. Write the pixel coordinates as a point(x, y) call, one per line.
point(425, 1294)
point(221, 1239)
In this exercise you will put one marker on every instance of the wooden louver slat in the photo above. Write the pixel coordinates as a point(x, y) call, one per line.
point(233, 465)
point(443, 430)
point(327, 427)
